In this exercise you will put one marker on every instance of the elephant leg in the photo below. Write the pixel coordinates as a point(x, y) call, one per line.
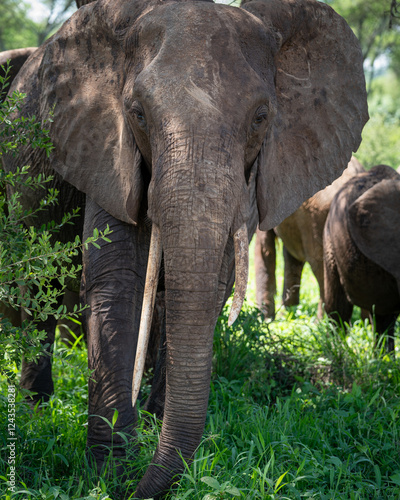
point(337, 306)
point(317, 267)
point(11, 314)
point(36, 376)
point(292, 278)
point(156, 400)
point(385, 324)
point(112, 286)
point(365, 315)
point(264, 263)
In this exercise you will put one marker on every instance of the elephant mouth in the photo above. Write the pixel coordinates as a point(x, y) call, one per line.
point(241, 245)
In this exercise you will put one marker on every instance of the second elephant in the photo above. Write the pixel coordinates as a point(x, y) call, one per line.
point(362, 249)
point(301, 234)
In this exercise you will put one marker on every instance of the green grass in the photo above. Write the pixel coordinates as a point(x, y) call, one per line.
point(297, 410)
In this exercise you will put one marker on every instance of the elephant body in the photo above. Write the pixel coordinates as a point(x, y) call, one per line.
point(301, 234)
point(361, 249)
point(168, 125)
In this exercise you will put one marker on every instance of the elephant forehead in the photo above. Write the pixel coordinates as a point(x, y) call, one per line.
point(190, 18)
point(201, 34)
point(199, 54)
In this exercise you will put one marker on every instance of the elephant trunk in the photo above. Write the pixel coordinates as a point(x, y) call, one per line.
point(153, 268)
point(194, 234)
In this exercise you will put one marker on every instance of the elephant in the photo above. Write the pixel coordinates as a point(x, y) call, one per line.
point(180, 125)
point(301, 234)
point(361, 250)
point(17, 57)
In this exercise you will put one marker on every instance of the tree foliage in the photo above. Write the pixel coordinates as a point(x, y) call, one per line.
point(58, 12)
point(16, 28)
point(381, 135)
point(376, 26)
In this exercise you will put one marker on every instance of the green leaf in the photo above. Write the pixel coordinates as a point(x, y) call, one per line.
point(396, 478)
point(61, 457)
point(49, 446)
point(211, 481)
point(335, 461)
point(114, 418)
point(233, 491)
point(278, 482)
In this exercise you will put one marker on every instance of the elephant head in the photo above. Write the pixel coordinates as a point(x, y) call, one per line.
point(178, 106)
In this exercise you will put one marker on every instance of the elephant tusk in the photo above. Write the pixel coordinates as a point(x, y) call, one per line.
point(241, 243)
point(150, 290)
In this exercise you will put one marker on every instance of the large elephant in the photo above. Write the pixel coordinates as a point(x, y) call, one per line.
point(362, 248)
point(301, 235)
point(179, 124)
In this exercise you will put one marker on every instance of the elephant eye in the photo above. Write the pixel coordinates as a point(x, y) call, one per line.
point(138, 113)
point(260, 117)
point(140, 118)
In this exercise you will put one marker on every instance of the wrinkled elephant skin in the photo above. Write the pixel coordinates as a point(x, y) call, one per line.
point(361, 250)
point(189, 120)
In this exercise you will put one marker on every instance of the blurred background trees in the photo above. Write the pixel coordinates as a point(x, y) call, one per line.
point(29, 23)
point(375, 22)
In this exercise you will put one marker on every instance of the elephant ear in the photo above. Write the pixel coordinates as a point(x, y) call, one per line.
point(373, 222)
point(16, 59)
point(322, 104)
point(82, 79)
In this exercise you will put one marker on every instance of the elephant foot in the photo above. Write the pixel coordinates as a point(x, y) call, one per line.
point(268, 309)
point(37, 379)
point(34, 401)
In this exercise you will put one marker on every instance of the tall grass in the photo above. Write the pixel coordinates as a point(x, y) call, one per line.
point(298, 409)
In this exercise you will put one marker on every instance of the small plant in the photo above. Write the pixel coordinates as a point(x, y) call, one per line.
point(219, 491)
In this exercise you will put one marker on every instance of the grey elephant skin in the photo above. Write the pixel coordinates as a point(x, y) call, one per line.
point(361, 250)
point(184, 123)
point(301, 234)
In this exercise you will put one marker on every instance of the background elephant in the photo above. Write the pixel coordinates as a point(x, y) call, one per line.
point(301, 234)
point(179, 125)
point(17, 58)
point(362, 248)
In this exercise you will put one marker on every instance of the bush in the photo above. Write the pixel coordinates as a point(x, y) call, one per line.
point(381, 135)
